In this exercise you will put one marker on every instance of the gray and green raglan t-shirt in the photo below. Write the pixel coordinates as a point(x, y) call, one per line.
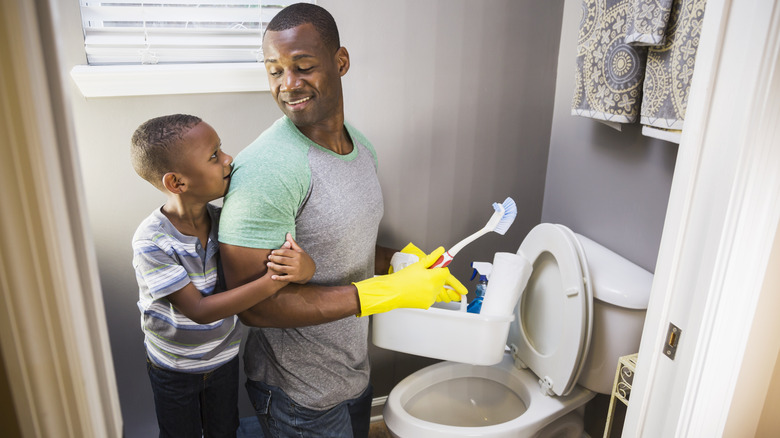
point(332, 204)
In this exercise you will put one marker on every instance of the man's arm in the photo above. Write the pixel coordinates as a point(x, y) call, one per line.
point(382, 259)
point(295, 305)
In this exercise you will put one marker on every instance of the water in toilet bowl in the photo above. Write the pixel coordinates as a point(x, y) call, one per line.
point(470, 401)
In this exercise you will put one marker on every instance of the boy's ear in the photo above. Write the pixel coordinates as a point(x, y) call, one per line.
point(174, 183)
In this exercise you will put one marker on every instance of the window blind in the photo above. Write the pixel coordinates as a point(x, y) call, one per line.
point(175, 31)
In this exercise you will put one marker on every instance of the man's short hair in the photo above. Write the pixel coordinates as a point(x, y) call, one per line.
point(155, 143)
point(302, 13)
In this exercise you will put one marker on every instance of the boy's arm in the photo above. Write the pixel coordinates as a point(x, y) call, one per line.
point(288, 263)
point(204, 310)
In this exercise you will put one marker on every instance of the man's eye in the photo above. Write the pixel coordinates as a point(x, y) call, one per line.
point(275, 73)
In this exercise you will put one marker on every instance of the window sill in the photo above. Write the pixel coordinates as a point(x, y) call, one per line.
point(148, 80)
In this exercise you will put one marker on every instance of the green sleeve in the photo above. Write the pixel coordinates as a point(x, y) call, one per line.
point(270, 182)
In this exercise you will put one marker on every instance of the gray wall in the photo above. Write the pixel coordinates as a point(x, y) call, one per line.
point(457, 97)
point(608, 185)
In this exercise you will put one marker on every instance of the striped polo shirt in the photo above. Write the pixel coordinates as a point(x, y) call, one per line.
point(165, 261)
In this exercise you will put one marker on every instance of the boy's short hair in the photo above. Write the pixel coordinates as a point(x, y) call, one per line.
point(155, 143)
point(301, 13)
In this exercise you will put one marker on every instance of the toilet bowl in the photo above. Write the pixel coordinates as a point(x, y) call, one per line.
point(451, 399)
point(582, 308)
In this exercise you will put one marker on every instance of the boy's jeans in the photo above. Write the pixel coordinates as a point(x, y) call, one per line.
point(281, 417)
point(186, 402)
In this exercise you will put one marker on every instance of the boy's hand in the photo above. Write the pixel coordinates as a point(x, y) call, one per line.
point(291, 263)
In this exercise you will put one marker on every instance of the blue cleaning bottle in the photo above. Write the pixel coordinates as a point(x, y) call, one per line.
point(483, 269)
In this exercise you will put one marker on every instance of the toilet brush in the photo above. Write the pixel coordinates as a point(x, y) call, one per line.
point(499, 222)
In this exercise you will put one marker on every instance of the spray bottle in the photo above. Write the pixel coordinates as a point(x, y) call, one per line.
point(483, 269)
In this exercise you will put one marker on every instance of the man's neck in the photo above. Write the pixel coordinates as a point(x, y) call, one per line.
point(332, 136)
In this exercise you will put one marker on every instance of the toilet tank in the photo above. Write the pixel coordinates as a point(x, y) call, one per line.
point(621, 291)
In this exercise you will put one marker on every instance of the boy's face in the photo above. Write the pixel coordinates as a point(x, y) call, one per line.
point(203, 165)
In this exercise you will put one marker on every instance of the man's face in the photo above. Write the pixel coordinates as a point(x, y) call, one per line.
point(304, 75)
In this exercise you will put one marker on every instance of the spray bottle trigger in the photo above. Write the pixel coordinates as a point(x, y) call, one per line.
point(481, 268)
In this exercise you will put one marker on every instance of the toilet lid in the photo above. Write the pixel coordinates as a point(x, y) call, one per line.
point(551, 331)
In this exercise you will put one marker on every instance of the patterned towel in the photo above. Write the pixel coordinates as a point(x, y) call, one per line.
point(647, 22)
point(670, 67)
point(609, 74)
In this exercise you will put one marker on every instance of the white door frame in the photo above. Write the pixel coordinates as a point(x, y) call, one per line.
point(719, 230)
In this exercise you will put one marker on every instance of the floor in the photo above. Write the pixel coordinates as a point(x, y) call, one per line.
point(250, 428)
point(378, 430)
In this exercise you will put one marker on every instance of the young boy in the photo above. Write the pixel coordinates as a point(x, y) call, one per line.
point(191, 332)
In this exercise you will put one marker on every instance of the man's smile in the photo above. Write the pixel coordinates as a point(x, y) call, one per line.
point(296, 102)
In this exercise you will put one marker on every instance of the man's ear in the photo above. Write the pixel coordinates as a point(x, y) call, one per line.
point(342, 60)
point(174, 183)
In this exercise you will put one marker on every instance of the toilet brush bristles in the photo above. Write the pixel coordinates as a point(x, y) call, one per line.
point(508, 213)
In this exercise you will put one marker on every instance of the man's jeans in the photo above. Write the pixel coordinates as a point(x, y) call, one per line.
point(281, 417)
point(186, 402)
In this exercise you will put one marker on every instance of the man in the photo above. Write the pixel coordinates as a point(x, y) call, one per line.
point(314, 174)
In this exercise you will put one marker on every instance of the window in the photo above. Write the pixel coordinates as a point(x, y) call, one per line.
point(175, 31)
point(136, 47)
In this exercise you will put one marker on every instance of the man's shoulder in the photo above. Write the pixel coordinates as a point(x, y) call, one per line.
point(357, 134)
point(281, 142)
point(282, 131)
point(280, 152)
point(359, 137)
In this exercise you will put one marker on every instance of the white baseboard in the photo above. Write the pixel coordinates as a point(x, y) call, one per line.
point(377, 404)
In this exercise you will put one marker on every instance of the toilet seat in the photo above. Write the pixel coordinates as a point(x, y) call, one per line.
point(589, 298)
point(551, 331)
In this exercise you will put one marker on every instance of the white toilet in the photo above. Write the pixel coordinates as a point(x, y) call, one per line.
point(582, 308)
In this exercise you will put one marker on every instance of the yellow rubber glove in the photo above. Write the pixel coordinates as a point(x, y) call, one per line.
point(447, 294)
point(411, 249)
point(416, 286)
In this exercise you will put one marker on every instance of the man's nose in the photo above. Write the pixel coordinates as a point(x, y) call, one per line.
point(290, 81)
